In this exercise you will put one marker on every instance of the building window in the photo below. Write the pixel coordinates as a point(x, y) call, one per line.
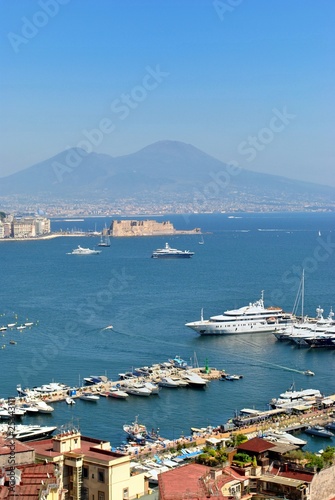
point(101, 475)
point(101, 495)
point(84, 493)
point(85, 472)
point(125, 493)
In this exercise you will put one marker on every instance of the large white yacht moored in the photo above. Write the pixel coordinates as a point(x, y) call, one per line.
point(253, 318)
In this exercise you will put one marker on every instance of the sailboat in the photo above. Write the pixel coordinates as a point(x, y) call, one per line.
point(104, 241)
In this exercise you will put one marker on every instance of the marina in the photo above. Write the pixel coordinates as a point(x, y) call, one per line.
point(75, 300)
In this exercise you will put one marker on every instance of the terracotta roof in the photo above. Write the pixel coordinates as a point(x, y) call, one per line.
point(32, 476)
point(256, 445)
point(291, 474)
point(19, 447)
point(188, 482)
point(89, 448)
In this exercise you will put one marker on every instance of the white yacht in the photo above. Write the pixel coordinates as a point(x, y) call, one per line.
point(27, 432)
point(168, 253)
point(84, 251)
point(253, 318)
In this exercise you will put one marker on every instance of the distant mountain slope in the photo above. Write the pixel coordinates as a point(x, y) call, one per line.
point(162, 170)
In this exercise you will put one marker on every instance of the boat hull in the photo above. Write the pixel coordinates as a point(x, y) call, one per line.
point(213, 328)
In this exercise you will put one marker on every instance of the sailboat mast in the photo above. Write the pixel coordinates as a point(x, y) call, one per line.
point(302, 294)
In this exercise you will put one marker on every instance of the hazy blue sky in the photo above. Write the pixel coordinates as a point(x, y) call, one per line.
point(244, 80)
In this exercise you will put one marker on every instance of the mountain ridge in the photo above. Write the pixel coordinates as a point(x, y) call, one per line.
point(161, 171)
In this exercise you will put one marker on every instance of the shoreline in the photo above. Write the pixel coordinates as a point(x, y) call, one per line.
point(46, 237)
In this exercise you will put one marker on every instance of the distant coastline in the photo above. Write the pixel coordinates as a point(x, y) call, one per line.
point(45, 237)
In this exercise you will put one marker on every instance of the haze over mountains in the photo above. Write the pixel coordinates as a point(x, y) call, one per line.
point(163, 171)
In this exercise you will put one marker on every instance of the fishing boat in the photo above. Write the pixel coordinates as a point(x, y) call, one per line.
point(253, 318)
point(139, 433)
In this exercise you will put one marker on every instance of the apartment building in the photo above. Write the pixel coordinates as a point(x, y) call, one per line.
point(90, 471)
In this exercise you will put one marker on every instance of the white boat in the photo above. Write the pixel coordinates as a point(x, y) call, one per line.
point(283, 437)
point(21, 327)
point(84, 251)
point(27, 432)
point(291, 398)
point(89, 396)
point(136, 389)
point(70, 401)
point(154, 388)
point(8, 411)
point(231, 377)
point(168, 253)
point(194, 380)
point(254, 318)
point(43, 407)
point(168, 382)
point(118, 394)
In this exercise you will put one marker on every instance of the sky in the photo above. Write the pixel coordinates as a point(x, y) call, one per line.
point(249, 81)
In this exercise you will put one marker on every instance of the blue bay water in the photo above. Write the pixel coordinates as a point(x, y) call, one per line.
point(148, 301)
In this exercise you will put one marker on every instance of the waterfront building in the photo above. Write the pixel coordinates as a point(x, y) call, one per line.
point(90, 469)
point(30, 227)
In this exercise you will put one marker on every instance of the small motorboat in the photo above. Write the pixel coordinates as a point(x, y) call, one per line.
point(70, 401)
point(231, 377)
point(89, 396)
point(118, 394)
point(309, 372)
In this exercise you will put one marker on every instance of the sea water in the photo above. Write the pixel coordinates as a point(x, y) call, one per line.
point(72, 299)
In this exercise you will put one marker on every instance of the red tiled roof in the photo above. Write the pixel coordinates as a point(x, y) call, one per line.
point(88, 447)
point(256, 445)
point(19, 447)
point(291, 474)
point(188, 482)
point(32, 476)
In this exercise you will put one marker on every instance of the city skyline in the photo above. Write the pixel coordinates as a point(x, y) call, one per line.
point(249, 83)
